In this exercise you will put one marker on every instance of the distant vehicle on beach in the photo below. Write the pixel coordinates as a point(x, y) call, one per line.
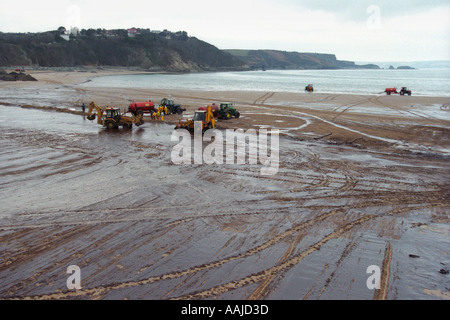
point(402, 92)
point(309, 88)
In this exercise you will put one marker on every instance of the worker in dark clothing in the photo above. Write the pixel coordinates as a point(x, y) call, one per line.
point(83, 107)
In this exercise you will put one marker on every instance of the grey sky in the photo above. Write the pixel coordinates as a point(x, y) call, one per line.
point(356, 9)
point(363, 30)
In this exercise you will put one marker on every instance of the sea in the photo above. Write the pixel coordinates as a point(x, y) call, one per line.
point(422, 82)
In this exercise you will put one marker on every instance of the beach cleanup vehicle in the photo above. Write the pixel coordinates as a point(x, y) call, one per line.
point(171, 106)
point(226, 111)
point(144, 107)
point(205, 116)
point(402, 92)
point(309, 88)
point(111, 118)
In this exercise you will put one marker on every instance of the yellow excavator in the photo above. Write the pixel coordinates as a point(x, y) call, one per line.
point(206, 117)
point(111, 118)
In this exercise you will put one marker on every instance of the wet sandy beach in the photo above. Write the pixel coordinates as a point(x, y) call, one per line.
point(362, 181)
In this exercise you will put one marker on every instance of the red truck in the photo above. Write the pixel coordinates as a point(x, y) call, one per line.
point(141, 107)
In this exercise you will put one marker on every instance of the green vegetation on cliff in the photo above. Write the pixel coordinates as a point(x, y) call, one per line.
point(148, 50)
point(275, 59)
point(142, 49)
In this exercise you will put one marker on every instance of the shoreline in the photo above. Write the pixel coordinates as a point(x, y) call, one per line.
point(79, 76)
point(373, 121)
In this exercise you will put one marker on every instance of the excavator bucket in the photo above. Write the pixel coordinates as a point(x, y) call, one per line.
point(140, 122)
point(92, 116)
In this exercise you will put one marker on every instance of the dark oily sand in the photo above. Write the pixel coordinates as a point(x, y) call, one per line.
point(141, 227)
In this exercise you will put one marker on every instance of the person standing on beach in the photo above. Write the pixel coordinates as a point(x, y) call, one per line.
point(83, 107)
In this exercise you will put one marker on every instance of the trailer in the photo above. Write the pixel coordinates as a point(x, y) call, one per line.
point(142, 107)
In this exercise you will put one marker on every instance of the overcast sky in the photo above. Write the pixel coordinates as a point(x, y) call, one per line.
point(357, 30)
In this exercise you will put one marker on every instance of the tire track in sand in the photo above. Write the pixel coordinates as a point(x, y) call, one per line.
point(95, 292)
point(261, 100)
point(381, 294)
point(259, 277)
point(288, 264)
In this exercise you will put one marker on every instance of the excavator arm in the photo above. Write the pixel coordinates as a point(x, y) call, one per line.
point(210, 118)
point(92, 116)
point(206, 117)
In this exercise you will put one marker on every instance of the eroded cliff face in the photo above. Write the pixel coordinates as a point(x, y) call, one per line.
point(177, 64)
point(275, 59)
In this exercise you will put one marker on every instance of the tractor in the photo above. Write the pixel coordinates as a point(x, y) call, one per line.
point(227, 111)
point(206, 117)
point(405, 91)
point(402, 92)
point(309, 88)
point(111, 118)
point(171, 107)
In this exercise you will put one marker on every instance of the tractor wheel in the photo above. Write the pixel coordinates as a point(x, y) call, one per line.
point(180, 111)
point(237, 114)
point(169, 111)
point(110, 125)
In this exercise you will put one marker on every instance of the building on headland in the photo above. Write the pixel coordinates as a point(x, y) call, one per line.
point(132, 32)
point(66, 34)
